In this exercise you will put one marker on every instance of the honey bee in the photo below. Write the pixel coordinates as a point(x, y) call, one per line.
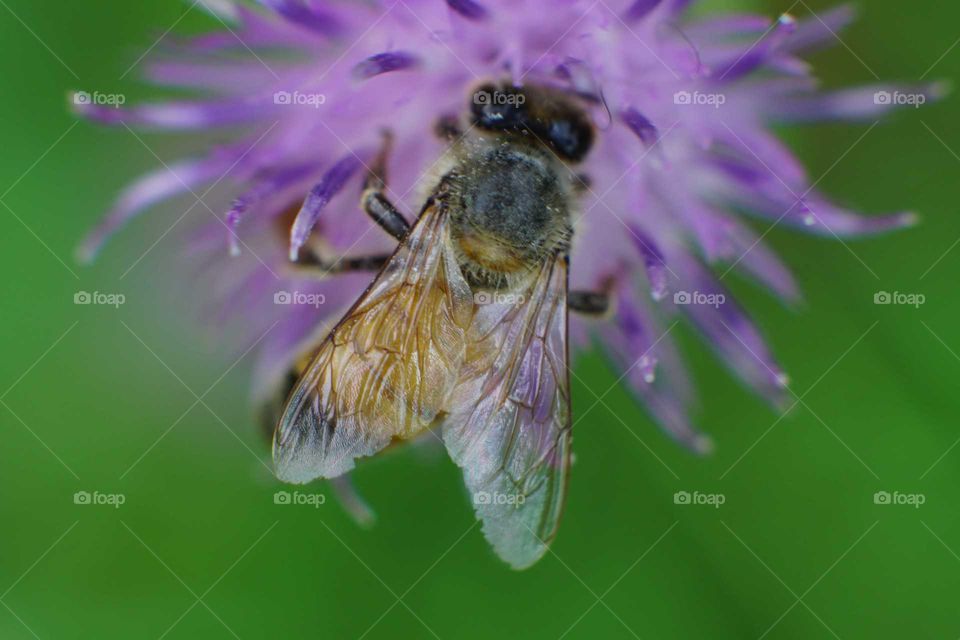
point(464, 328)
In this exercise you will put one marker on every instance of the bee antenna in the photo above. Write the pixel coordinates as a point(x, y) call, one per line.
point(606, 109)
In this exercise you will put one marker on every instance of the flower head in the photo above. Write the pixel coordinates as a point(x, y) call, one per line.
point(683, 155)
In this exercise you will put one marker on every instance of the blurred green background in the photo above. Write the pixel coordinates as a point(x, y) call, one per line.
point(199, 549)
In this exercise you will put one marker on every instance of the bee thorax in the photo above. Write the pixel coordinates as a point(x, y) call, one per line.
point(509, 210)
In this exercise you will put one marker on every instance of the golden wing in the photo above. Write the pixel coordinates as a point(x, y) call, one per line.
point(509, 422)
point(386, 371)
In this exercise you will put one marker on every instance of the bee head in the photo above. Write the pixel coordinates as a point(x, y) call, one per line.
point(548, 116)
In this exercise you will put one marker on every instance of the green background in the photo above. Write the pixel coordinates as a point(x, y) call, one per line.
point(798, 550)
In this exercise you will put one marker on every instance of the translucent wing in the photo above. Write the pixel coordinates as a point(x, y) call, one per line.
point(509, 423)
point(387, 369)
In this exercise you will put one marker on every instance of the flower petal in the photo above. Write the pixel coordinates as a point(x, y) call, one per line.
point(384, 63)
point(331, 184)
point(757, 54)
point(154, 187)
point(640, 125)
point(468, 9)
point(261, 190)
point(728, 330)
point(309, 17)
point(653, 262)
point(640, 9)
point(177, 115)
point(641, 351)
point(821, 29)
point(864, 103)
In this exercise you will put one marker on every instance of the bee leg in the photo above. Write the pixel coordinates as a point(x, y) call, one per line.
point(351, 500)
point(375, 202)
point(589, 302)
point(311, 263)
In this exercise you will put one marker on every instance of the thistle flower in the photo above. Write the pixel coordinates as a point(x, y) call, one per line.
point(683, 156)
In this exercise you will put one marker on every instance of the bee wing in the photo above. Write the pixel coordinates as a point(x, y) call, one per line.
point(387, 369)
point(509, 425)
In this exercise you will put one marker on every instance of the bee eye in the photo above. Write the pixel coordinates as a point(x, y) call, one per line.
point(571, 140)
point(498, 109)
point(545, 116)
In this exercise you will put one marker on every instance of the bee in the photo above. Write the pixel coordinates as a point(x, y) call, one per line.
point(463, 331)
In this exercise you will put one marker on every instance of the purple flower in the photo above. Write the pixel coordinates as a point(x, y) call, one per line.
point(684, 154)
